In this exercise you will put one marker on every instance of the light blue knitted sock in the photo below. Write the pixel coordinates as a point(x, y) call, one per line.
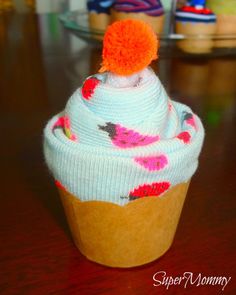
point(120, 143)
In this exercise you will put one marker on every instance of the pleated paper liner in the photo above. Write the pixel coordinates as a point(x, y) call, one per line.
point(125, 236)
point(98, 21)
point(157, 22)
point(196, 45)
point(226, 25)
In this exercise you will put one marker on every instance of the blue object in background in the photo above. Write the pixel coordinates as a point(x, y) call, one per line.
point(100, 6)
point(197, 2)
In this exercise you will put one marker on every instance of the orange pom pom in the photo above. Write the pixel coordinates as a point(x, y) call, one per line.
point(128, 47)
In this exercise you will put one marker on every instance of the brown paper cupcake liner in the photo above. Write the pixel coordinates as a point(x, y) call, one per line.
point(98, 21)
point(226, 25)
point(197, 45)
point(157, 22)
point(125, 236)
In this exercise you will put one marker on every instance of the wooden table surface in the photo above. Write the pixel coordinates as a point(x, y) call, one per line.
point(40, 66)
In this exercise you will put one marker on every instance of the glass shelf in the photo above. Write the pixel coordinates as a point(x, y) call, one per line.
point(77, 23)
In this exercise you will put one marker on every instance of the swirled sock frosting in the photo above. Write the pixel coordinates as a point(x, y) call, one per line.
point(120, 137)
point(195, 12)
point(150, 7)
point(117, 142)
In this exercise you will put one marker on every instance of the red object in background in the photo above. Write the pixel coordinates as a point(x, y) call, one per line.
point(193, 9)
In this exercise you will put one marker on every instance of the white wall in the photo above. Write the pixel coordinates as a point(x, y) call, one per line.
point(44, 6)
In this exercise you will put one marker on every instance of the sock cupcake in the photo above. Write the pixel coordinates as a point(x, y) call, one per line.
point(122, 154)
point(197, 23)
point(226, 20)
point(99, 13)
point(149, 11)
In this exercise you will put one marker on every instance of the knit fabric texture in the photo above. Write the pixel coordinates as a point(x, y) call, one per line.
point(195, 12)
point(116, 144)
point(129, 46)
point(152, 8)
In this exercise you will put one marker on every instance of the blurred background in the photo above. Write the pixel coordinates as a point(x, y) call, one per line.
point(41, 6)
